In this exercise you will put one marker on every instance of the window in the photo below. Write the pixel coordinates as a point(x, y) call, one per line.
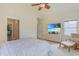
point(70, 27)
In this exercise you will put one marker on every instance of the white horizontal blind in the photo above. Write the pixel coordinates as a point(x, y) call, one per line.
point(70, 27)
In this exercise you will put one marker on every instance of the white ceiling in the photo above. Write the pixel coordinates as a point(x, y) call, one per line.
point(58, 9)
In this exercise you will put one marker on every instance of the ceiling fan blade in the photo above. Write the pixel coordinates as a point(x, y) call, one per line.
point(48, 7)
point(35, 4)
point(39, 8)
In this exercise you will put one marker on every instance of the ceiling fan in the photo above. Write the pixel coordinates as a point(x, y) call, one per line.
point(42, 5)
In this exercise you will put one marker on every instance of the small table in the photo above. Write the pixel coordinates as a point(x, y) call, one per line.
point(67, 43)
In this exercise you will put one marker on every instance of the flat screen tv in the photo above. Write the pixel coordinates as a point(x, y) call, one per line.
point(54, 28)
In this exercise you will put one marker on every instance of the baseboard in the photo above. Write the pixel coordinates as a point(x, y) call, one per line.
point(50, 40)
point(28, 38)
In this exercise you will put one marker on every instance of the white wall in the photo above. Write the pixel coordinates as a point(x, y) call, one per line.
point(23, 12)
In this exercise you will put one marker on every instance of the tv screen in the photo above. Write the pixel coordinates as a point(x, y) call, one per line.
point(54, 28)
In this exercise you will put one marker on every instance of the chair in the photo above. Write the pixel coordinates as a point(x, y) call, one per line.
point(75, 38)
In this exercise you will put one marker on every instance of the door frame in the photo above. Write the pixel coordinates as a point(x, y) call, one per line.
point(13, 19)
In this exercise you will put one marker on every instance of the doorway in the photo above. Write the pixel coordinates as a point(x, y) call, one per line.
point(12, 29)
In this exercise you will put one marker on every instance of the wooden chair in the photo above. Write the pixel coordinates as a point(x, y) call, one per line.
point(75, 38)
